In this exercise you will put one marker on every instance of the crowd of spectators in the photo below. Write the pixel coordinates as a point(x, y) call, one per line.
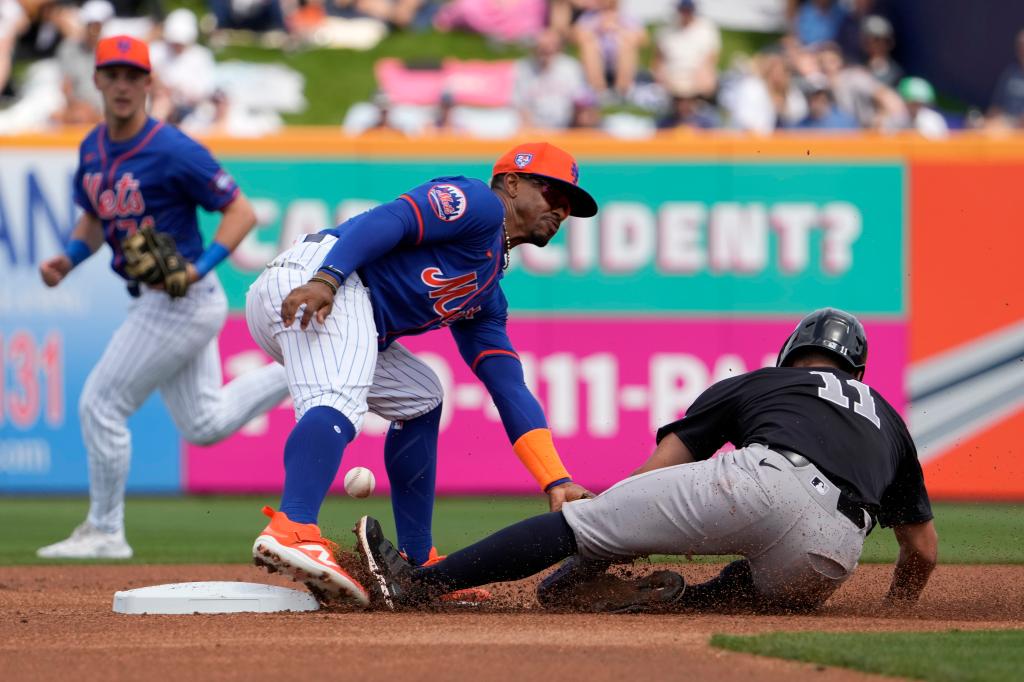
point(592, 64)
point(832, 71)
point(189, 86)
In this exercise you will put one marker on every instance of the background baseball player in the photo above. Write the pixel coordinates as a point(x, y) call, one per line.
point(820, 456)
point(432, 258)
point(139, 183)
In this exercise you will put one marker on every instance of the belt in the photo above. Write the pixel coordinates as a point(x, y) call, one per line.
point(846, 504)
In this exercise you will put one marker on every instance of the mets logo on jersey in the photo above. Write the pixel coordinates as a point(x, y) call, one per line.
point(447, 201)
point(447, 289)
point(523, 160)
point(123, 200)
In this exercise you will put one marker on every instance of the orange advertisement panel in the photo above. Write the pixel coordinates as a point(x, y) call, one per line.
point(966, 378)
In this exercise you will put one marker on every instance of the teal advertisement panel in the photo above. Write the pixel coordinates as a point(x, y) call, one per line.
point(752, 238)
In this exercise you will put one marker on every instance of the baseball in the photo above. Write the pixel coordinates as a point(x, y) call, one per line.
point(359, 482)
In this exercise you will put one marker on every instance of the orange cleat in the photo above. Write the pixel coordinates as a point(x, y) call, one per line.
point(471, 596)
point(299, 551)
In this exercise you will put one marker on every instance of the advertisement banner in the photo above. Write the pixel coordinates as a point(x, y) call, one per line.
point(606, 385)
point(51, 338)
point(709, 237)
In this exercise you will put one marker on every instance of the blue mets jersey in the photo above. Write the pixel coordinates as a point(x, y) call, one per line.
point(155, 179)
point(433, 258)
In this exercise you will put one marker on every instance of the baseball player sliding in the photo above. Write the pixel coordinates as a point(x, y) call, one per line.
point(821, 456)
point(332, 308)
point(139, 182)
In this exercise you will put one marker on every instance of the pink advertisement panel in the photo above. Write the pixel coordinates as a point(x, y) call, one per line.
point(606, 385)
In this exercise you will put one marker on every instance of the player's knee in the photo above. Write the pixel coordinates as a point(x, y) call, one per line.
point(203, 432)
point(94, 411)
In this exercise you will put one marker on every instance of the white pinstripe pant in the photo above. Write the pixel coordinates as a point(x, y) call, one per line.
point(337, 364)
point(168, 345)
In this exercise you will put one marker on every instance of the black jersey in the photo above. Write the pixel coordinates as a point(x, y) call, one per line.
point(842, 425)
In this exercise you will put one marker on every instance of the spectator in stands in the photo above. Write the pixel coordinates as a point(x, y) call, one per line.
point(48, 23)
point(183, 70)
point(856, 92)
point(850, 36)
point(762, 95)
point(1007, 108)
point(76, 56)
point(248, 15)
point(384, 125)
point(686, 54)
point(398, 14)
point(816, 21)
point(690, 112)
point(546, 84)
point(13, 22)
point(919, 97)
point(562, 14)
point(609, 42)
point(138, 18)
point(505, 20)
point(878, 42)
point(822, 112)
point(586, 112)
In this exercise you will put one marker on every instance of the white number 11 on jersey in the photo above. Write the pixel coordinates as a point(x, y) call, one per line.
point(832, 391)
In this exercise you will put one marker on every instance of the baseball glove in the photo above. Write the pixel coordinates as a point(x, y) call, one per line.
point(152, 257)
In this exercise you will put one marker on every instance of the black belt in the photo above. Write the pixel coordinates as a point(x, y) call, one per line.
point(846, 504)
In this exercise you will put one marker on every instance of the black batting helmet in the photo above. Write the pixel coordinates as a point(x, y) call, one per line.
point(834, 331)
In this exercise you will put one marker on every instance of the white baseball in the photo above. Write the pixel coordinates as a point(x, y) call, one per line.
point(359, 482)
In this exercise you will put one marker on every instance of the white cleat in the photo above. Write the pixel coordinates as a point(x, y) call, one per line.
point(88, 542)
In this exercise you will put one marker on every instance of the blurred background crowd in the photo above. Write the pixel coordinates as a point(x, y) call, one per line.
point(628, 68)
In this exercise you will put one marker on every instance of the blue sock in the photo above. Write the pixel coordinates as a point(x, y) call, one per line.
point(410, 457)
point(512, 553)
point(312, 455)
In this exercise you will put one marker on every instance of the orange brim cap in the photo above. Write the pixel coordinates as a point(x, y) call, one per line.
point(122, 51)
point(547, 160)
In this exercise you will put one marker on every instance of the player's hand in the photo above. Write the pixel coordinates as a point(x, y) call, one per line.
point(316, 296)
point(567, 492)
point(55, 269)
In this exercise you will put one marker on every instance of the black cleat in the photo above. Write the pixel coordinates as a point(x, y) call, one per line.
point(562, 588)
point(390, 570)
point(657, 592)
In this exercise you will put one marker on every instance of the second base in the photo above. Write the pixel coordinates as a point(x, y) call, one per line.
point(213, 597)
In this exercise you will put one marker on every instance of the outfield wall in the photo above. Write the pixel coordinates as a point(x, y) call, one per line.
point(705, 253)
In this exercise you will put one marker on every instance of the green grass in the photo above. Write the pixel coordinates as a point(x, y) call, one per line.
point(208, 529)
point(954, 656)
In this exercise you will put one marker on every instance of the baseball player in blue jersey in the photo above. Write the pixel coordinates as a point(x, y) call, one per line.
point(137, 176)
point(332, 309)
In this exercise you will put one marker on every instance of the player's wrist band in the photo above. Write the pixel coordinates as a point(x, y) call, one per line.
point(536, 450)
point(211, 258)
point(77, 251)
point(553, 484)
point(333, 272)
point(323, 280)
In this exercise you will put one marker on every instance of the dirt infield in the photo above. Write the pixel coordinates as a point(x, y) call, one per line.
point(56, 622)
